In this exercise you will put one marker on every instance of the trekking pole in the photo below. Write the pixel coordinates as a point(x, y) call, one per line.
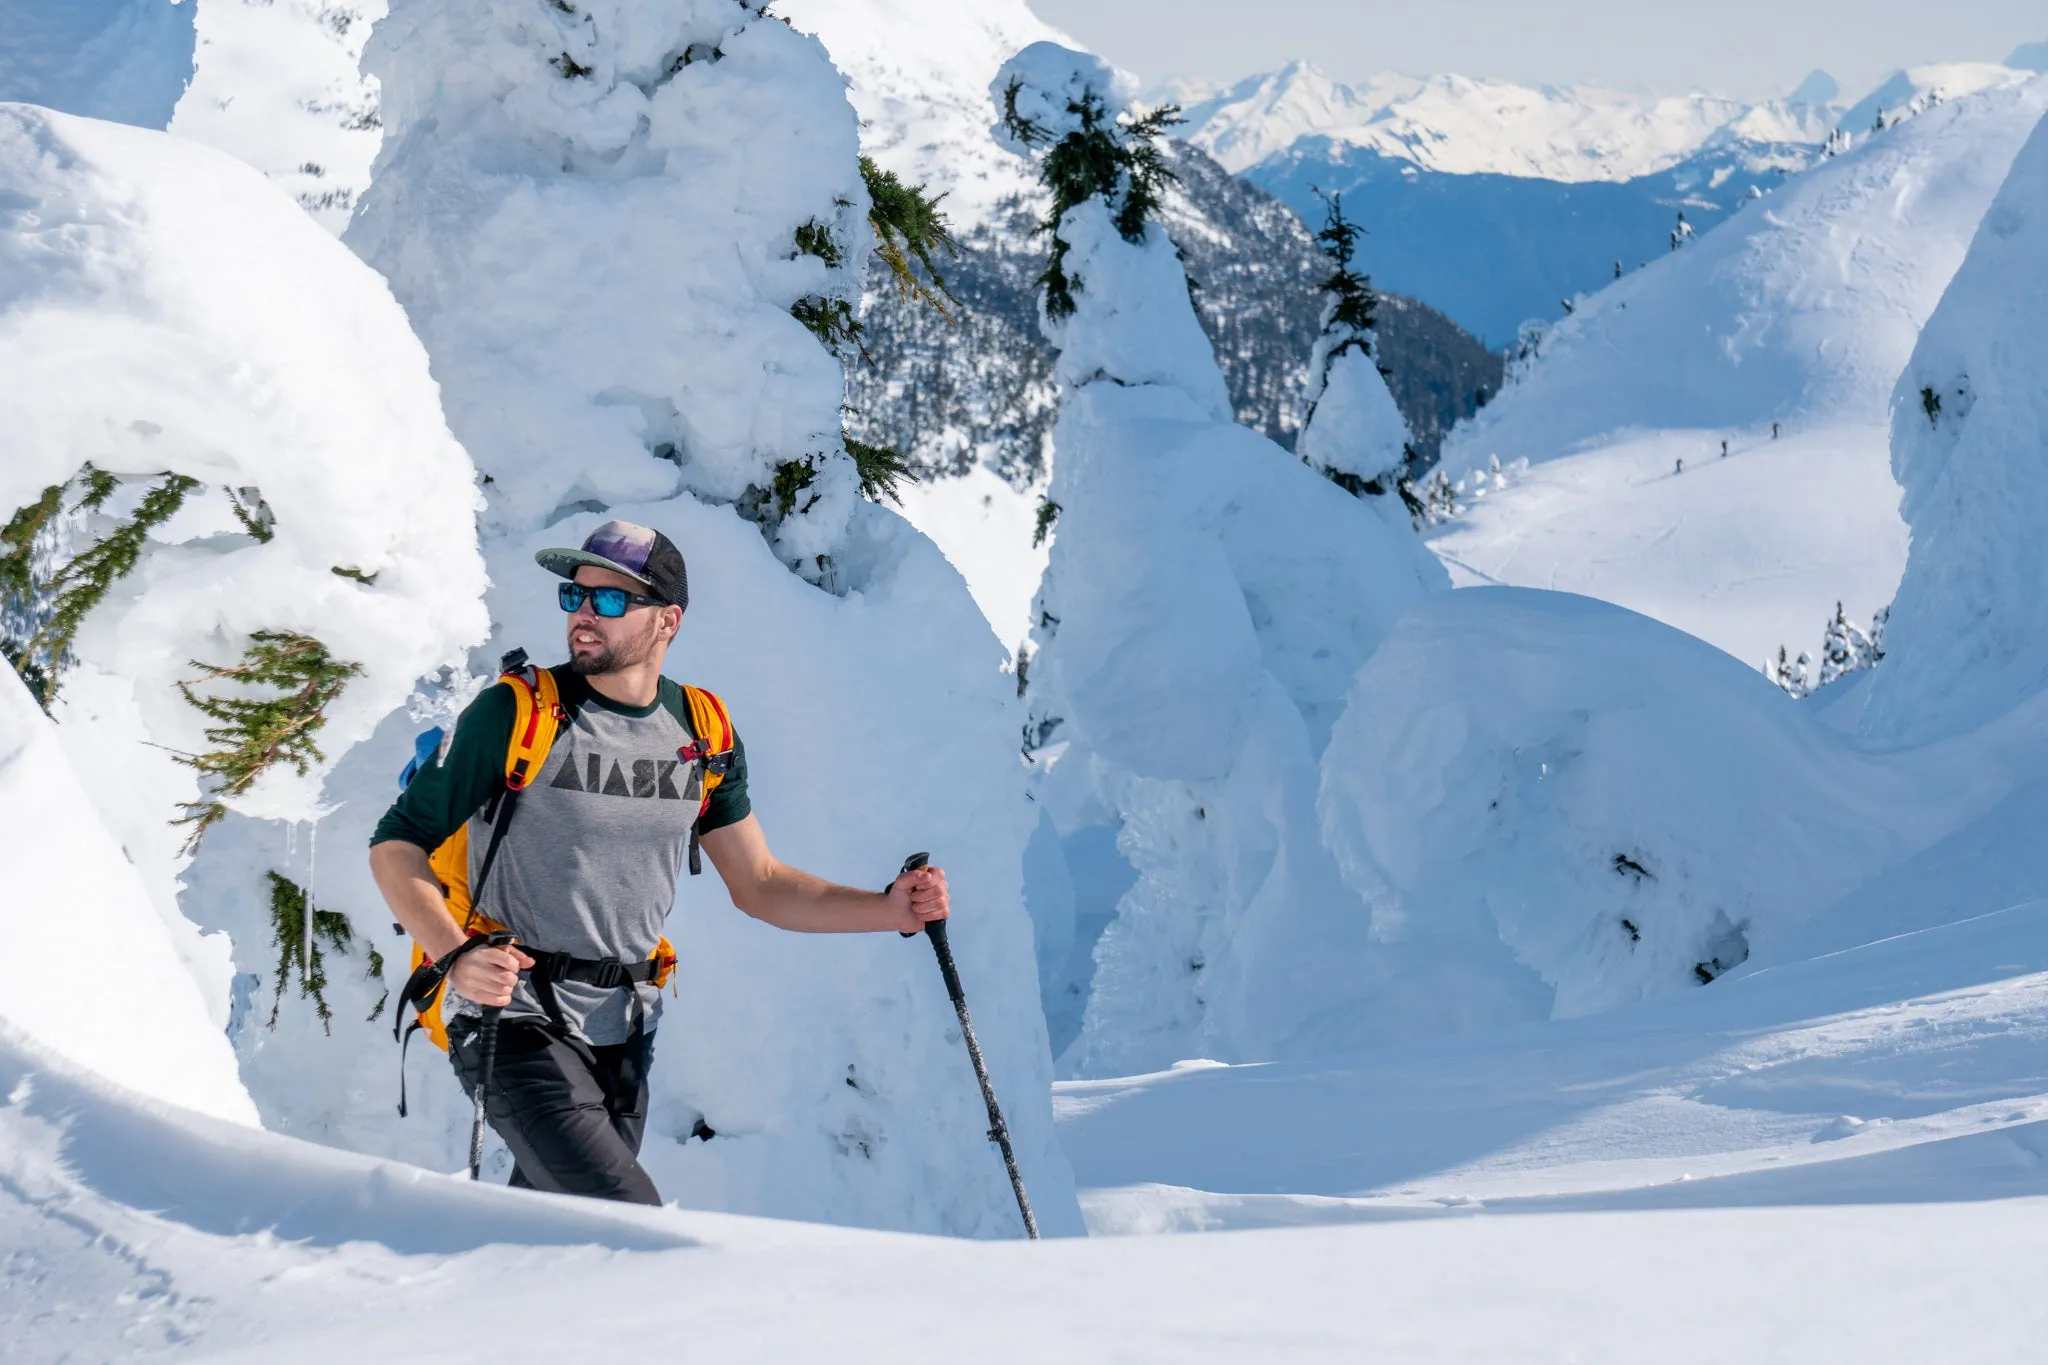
point(998, 1131)
point(486, 1061)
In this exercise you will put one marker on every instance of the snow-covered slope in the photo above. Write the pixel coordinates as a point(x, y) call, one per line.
point(123, 60)
point(1969, 428)
point(72, 896)
point(1909, 92)
point(592, 218)
point(239, 1245)
point(278, 83)
point(1459, 126)
point(1800, 312)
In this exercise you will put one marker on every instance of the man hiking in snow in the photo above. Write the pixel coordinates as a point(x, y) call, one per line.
point(586, 874)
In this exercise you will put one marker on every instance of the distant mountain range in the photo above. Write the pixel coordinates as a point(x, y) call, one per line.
point(1497, 202)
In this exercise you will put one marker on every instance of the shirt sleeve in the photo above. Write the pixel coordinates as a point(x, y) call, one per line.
point(729, 803)
point(442, 796)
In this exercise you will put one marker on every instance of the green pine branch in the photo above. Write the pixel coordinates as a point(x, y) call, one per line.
point(254, 733)
point(77, 587)
point(881, 469)
point(298, 948)
point(1119, 162)
point(909, 227)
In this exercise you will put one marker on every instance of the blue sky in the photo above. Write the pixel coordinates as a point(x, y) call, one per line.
point(1747, 48)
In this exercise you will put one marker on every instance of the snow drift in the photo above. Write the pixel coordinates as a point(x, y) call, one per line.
point(593, 219)
point(1552, 805)
point(1207, 600)
point(123, 60)
point(1969, 633)
point(73, 897)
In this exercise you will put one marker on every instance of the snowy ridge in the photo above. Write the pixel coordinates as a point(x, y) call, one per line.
point(1969, 423)
point(1801, 310)
point(1460, 126)
point(1781, 334)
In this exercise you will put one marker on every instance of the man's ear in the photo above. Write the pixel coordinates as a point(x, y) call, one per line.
point(675, 624)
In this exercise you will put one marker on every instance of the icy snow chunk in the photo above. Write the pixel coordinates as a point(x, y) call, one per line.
point(88, 967)
point(124, 60)
point(1968, 635)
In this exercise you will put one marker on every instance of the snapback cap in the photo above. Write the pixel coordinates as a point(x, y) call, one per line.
point(639, 552)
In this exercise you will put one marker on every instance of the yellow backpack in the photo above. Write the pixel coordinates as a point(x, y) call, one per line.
point(537, 719)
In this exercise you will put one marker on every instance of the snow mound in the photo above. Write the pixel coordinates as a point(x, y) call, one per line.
point(1552, 801)
point(596, 221)
point(73, 897)
point(1802, 309)
point(123, 60)
point(155, 299)
point(1969, 634)
point(280, 85)
point(1207, 600)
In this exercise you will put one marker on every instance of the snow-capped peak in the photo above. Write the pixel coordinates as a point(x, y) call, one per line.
point(1910, 91)
point(1460, 125)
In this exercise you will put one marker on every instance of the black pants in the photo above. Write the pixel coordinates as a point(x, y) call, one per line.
point(572, 1114)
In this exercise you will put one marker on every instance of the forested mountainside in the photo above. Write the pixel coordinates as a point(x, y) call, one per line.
point(978, 385)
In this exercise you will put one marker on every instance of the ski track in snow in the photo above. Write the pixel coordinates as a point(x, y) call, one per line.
point(1748, 553)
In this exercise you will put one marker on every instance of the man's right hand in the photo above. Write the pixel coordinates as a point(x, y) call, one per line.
point(488, 975)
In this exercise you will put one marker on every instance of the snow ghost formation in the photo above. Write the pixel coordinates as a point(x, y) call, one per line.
point(1207, 601)
point(164, 392)
point(604, 221)
point(280, 85)
point(127, 61)
point(1968, 635)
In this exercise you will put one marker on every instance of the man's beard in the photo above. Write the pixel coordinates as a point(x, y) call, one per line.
point(606, 660)
point(610, 658)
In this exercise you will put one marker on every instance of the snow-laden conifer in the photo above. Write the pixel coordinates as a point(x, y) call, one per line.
point(633, 235)
point(1351, 429)
point(1207, 601)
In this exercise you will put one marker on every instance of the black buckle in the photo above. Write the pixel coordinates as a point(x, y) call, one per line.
point(555, 966)
point(608, 973)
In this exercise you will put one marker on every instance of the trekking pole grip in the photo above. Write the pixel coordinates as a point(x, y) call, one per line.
point(487, 1060)
point(912, 864)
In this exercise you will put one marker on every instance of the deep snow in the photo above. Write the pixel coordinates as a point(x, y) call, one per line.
point(124, 60)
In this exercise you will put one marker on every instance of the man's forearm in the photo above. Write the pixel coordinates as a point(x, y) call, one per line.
point(406, 877)
point(790, 898)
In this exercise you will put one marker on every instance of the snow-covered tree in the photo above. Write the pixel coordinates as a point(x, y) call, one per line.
point(632, 235)
point(233, 541)
point(1351, 429)
point(1207, 600)
point(1682, 233)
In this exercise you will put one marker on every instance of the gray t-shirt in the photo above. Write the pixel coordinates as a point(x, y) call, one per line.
point(589, 862)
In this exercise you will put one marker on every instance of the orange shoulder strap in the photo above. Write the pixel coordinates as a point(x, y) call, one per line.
point(537, 718)
point(713, 725)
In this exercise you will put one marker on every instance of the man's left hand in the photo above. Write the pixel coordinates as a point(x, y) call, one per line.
point(919, 897)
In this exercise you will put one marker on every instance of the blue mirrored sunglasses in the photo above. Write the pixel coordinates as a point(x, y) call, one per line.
point(606, 601)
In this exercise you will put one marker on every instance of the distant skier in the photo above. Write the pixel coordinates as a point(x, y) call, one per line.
point(585, 875)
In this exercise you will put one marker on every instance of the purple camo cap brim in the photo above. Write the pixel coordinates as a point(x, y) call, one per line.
point(638, 552)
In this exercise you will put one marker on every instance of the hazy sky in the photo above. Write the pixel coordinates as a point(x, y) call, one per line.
point(1748, 48)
